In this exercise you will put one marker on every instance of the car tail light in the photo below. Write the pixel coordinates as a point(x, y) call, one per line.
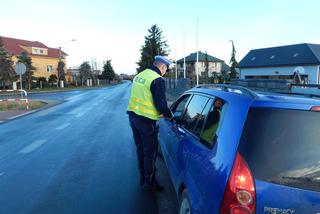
point(315, 108)
point(239, 196)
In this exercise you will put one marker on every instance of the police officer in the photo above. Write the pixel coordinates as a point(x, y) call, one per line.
point(147, 102)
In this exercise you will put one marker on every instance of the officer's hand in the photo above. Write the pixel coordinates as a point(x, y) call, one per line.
point(171, 116)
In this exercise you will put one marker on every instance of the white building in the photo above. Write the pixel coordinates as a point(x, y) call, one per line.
point(299, 62)
point(215, 65)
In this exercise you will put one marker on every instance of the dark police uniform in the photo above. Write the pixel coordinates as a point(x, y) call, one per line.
point(146, 104)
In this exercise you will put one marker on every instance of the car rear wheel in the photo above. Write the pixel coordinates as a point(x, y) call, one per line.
point(184, 203)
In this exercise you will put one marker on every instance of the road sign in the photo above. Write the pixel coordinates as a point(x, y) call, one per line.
point(20, 68)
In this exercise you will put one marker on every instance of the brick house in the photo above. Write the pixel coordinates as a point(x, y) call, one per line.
point(44, 58)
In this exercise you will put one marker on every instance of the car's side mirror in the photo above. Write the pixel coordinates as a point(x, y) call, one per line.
point(176, 119)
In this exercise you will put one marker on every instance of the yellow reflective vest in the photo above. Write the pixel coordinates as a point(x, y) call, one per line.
point(141, 100)
point(209, 133)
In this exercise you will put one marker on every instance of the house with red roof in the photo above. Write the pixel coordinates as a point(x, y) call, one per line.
point(44, 58)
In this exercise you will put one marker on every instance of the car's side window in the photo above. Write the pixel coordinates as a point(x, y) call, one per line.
point(202, 118)
point(193, 113)
point(209, 131)
point(179, 106)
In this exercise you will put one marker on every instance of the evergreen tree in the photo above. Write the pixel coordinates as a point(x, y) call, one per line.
point(28, 76)
point(206, 68)
point(7, 73)
point(233, 62)
point(153, 46)
point(85, 72)
point(61, 72)
point(108, 72)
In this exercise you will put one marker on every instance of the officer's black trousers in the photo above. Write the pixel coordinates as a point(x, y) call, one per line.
point(146, 140)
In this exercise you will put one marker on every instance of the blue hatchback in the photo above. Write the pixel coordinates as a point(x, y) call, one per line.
point(231, 150)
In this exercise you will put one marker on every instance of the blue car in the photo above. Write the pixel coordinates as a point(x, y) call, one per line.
point(231, 150)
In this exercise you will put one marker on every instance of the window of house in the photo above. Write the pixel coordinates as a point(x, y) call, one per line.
point(41, 51)
point(49, 68)
point(35, 50)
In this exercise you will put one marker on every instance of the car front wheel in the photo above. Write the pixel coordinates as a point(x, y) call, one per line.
point(184, 203)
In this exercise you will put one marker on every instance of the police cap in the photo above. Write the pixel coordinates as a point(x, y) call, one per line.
point(162, 60)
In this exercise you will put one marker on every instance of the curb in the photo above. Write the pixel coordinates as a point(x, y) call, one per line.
point(21, 115)
point(50, 103)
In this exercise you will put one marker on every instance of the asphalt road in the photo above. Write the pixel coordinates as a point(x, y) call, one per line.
point(76, 157)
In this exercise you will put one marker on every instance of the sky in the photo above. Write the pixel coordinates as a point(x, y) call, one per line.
point(115, 30)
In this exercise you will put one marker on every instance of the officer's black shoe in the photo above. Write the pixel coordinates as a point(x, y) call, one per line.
point(154, 186)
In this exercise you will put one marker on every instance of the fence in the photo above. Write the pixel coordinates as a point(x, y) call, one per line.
point(313, 90)
point(280, 86)
point(14, 96)
point(176, 87)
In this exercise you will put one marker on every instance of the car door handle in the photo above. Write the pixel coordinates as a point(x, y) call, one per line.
point(181, 130)
point(185, 151)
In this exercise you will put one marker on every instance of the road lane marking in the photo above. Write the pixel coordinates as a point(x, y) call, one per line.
point(80, 114)
point(76, 110)
point(33, 146)
point(63, 126)
point(74, 97)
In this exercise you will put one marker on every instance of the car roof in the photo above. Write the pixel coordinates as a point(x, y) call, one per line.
point(257, 99)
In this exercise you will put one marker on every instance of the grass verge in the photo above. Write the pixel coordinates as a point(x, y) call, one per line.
point(20, 105)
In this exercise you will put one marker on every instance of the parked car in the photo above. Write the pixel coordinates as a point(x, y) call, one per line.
point(231, 150)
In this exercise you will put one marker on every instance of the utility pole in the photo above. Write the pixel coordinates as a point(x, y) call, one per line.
point(176, 58)
point(197, 71)
point(184, 54)
point(60, 57)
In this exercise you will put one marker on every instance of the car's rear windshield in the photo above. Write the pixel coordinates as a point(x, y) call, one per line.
point(283, 146)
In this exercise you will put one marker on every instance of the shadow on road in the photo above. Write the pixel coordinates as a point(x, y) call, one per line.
point(166, 200)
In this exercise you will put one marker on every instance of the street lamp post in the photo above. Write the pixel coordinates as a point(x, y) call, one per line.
point(60, 59)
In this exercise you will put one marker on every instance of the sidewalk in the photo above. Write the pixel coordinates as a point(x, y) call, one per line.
point(13, 114)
